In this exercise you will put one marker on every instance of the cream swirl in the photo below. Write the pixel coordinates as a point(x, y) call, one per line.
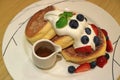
point(76, 34)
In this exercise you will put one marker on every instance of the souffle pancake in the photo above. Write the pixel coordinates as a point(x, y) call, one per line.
point(81, 41)
point(38, 27)
point(83, 56)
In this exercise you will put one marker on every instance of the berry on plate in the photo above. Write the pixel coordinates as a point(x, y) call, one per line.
point(83, 67)
point(109, 47)
point(93, 64)
point(101, 61)
point(71, 69)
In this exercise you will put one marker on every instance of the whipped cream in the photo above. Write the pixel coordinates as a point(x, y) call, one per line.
point(76, 34)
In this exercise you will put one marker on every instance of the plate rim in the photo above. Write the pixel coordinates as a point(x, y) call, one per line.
point(25, 9)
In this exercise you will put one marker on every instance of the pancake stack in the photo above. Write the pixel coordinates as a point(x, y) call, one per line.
point(40, 28)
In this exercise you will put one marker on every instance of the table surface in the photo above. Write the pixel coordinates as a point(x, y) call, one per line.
point(9, 8)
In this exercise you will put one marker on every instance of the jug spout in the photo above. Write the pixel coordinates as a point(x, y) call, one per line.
point(58, 48)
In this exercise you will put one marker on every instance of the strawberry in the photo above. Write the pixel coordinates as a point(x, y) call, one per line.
point(95, 29)
point(84, 49)
point(104, 32)
point(101, 61)
point(83, 67)
point(109, 47)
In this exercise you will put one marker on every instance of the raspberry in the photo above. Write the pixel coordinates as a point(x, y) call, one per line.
point(101, 61)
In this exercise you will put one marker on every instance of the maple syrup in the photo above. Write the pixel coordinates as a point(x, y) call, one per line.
point(43, 52)
point(44, 49)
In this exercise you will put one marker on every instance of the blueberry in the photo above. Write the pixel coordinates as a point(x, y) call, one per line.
point(71, 69)
point(84, 39)
point(93, 64)
point(96, 41)
point(73, 24)
point(107, 56)
point(80, 17)
point(88, 31)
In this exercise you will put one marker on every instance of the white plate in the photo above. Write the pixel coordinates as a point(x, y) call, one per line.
point(17, 51)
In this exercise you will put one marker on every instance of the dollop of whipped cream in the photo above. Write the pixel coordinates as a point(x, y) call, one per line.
point(76, 34)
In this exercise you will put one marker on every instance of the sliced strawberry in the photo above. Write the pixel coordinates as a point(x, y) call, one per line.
point(83, 67)
point(85, 49)
point(109, 47)
point(95, 29)
point(104, 32)
point(101, 61)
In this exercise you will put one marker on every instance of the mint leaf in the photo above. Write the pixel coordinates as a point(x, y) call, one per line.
point(62, 22)
point(68, 14)
point(62, 15)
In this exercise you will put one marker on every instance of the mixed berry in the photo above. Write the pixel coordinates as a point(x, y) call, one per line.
point(90, 35)
point(100, 62)
point(84, 39)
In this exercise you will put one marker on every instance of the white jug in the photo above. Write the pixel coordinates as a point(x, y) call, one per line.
point(45, 53)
